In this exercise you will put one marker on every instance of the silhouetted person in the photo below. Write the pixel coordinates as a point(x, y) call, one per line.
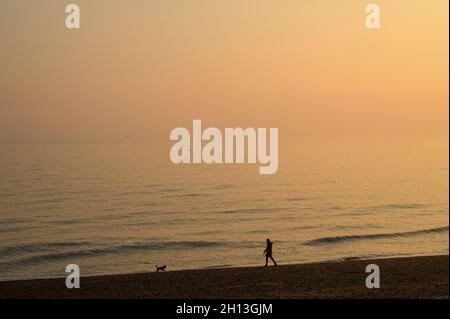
point(268, 252)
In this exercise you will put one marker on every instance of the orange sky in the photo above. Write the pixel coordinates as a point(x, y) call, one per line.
point(140, 68)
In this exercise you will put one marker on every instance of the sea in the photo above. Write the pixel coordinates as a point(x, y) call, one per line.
point(121, 206)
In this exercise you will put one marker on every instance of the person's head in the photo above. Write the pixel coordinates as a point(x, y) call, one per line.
point(268, 240)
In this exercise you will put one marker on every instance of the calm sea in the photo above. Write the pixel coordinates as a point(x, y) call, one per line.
point(123, 207)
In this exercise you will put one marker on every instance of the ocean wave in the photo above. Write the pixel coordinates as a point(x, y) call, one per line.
point(255, 210)
point(192, 195)
point(339, 239)
point(13, 250)
point(298, 199)
point(7, 221)
point(349, 258)
point(46, 256)
point(397, 206)
point(14, 229)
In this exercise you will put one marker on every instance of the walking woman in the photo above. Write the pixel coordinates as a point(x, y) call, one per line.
point(268, 252)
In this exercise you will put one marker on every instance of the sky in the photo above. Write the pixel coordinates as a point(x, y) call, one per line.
point(141, 68)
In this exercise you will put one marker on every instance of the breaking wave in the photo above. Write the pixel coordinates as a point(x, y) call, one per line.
point(56, 251)
point(339, 239)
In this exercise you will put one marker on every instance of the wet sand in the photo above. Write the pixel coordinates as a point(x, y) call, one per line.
point(414, 277)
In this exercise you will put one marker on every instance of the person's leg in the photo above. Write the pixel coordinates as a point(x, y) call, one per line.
point(267, 261)
point(274, 262)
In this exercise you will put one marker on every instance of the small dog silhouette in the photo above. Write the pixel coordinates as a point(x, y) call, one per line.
point(162, 268)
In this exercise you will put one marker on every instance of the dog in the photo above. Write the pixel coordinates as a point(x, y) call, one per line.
point(161, 268)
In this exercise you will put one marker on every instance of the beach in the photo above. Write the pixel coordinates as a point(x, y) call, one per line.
point(409, 277)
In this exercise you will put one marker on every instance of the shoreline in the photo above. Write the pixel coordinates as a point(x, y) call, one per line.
point(403, 277)
point(227, 266)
